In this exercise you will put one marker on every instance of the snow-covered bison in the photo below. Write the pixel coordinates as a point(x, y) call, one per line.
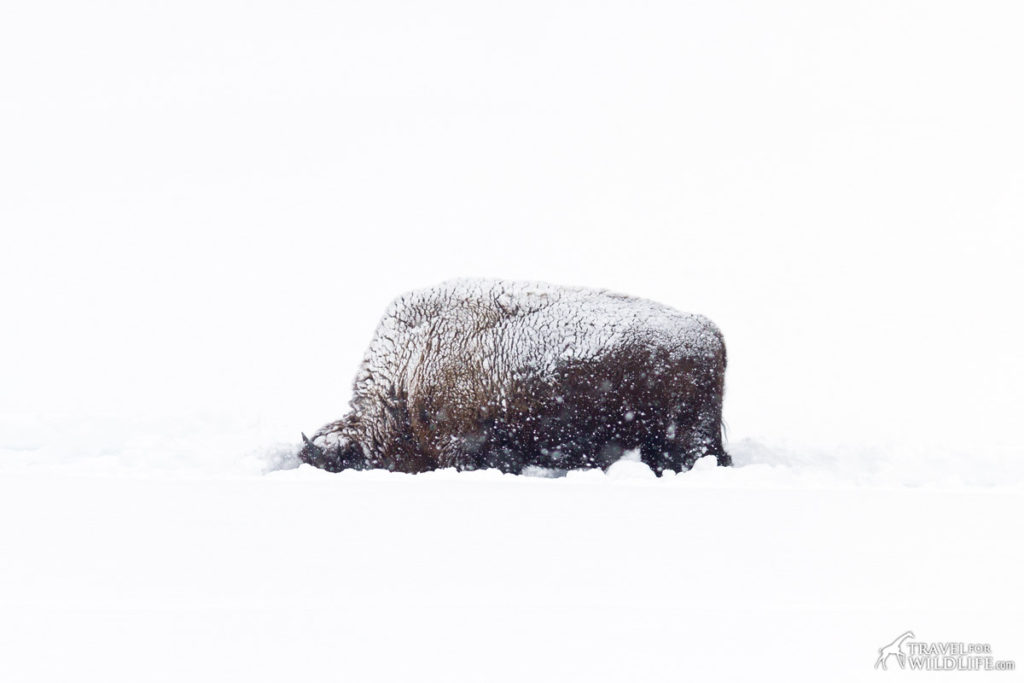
point(475, 374)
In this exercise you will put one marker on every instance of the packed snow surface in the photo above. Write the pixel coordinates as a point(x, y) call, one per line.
point(720, 574)
point(791, 563)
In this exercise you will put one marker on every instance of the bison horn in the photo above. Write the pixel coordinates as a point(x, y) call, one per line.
point(305, 438)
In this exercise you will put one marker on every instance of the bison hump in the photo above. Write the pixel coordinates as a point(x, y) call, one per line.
point(501, 327)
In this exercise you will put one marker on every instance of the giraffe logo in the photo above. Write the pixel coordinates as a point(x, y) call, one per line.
point(894, 649)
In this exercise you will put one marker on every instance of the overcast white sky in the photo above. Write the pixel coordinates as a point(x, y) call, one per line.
point(205, 206)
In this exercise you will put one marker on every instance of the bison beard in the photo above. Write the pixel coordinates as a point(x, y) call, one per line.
point(479, 374)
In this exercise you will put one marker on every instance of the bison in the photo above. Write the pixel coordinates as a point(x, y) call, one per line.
point(476, 374)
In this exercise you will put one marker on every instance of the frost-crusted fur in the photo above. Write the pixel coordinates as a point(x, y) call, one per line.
point(490, 373)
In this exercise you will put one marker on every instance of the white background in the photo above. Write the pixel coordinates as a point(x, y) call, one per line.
point(205, 206)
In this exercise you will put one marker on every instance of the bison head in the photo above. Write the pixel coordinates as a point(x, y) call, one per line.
point(333, 452)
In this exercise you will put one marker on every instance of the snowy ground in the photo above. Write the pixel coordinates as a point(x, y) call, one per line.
point(206, 206)
point(794, 570)
point(367, 576)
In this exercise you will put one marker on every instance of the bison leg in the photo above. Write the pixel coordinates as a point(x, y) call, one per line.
point(502, 458)
point(692, 437)
point(709, 431)
point(654, 453)
point(485, 447)
point(705, 438)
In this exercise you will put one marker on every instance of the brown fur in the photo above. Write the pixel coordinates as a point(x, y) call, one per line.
point(453, 395)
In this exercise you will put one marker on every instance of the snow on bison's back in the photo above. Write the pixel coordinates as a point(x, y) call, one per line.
point(476, 374)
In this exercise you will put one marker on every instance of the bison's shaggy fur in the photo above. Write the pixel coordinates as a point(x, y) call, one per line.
point(478, 374)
